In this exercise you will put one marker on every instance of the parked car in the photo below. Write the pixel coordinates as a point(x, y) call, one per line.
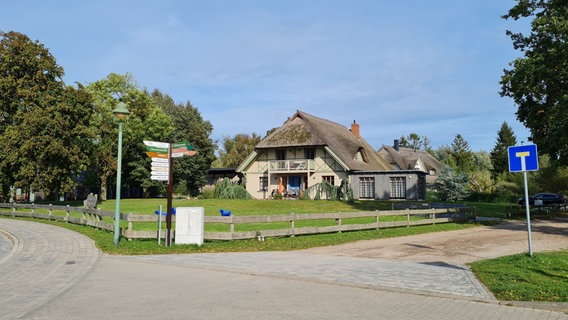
point(545, 199)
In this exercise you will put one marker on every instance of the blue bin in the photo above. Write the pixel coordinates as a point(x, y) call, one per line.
point(225, 213)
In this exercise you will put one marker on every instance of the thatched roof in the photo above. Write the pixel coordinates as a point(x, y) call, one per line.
point(407, 158)
point(303, 129)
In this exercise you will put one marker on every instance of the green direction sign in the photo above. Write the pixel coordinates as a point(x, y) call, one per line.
point(156, 149)
point(182, 145)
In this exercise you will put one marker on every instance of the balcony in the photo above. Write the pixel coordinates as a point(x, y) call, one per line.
point(296, 165)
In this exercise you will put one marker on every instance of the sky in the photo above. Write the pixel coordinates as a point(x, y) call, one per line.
point(395, 67)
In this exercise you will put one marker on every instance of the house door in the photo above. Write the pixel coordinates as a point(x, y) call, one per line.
point(295, 183)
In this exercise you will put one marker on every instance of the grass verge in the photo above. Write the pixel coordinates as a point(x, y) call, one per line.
point(543, 277)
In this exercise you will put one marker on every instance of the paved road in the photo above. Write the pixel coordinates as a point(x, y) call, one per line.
point(53, 273)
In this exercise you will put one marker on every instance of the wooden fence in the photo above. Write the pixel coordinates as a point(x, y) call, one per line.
point(336, 222)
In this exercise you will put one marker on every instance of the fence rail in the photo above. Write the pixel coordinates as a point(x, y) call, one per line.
point(337, 222)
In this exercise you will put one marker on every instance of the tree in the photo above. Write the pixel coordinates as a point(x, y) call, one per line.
point(44, 133)
point(415, 141)
point(189, 126)
point(236, 149)
point(499, 155)
point(145, 122)
point(461, 153)
point(451, 186)
point(538, 82)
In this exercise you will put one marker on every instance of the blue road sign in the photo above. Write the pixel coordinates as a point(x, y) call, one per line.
point(523, 158)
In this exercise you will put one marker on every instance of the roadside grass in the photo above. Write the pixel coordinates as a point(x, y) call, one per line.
point(543, 277)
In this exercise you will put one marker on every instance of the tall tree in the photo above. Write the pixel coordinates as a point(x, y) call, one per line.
point(236, 149)
point(189, 125)
point(462, 154)
point(499, 155)
point(44, 133)
point(145, 122)
point(415, 141)
point(538, 82)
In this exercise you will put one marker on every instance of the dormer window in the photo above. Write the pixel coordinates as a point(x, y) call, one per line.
point(361, 155)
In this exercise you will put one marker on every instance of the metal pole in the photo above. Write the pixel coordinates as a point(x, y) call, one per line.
point(528, 212)
point(159, 224)
point(118, 174)
point(169, 200)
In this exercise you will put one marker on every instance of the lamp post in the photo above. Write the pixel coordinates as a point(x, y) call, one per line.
point(120, 112)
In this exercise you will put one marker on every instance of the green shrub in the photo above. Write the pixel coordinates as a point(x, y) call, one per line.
point(227, 189)
point(207, 192)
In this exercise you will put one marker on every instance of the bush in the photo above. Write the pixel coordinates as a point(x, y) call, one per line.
point(451, 186)
point(227, 189)
point(207, 192)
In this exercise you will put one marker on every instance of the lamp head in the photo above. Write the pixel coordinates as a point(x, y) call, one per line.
point(121, 111)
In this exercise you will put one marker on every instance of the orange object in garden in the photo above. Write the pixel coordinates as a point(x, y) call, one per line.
point(280, 186)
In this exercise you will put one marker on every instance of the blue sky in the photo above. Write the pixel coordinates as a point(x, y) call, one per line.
point(395, 67)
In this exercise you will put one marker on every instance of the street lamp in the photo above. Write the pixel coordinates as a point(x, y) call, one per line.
point(120, 112)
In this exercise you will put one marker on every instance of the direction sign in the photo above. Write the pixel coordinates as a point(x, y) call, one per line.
point(523, 158)
point(160, 169)
point(159, 178)
point(164, 160)
point(157, 144)
point(156, 149)
point(157, 155)
point(160, 164)
point(184, 153)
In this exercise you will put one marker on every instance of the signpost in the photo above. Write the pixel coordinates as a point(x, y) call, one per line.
point(522, 159)
point(162, 154)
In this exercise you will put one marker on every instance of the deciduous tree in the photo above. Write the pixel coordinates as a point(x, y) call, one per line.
point(44, 134)
point(538, 81)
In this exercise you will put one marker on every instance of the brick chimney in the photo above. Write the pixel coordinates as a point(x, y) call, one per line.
point(355, 129)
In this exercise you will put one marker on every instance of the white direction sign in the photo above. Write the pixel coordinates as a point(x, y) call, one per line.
point(159, 178)
point(160, 164)
point(157, 144)
point(160, 160)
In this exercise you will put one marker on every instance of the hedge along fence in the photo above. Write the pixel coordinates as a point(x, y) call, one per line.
point(265, 225)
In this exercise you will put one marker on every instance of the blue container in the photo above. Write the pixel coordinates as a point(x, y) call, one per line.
point(225, 213)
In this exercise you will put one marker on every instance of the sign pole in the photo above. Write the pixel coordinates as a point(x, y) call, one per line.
point(528, 213)
point(169, 204)
point(522, 159)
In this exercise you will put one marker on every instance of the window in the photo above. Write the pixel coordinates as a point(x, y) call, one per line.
point(263, 183)
point(329, 179)
point(281, 154)
point(367, 187)
point(398, 187)
point(309, 153)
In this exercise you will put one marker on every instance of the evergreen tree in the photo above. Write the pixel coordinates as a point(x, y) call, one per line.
point(499, 155)
point(451, 186)
point(462, 154)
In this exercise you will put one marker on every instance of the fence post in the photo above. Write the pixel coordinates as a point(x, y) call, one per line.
point(32, 207)
point(50, 212)
point(67, 214)
point(407, 218)
point(378, 222)
point(292, 227)
point(130, 230)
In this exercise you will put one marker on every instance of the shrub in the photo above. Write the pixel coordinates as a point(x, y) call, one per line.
point(227, 189)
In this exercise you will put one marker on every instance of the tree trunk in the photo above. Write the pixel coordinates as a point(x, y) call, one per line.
point(103, 195)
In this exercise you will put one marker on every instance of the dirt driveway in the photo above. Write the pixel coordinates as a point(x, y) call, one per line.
point(462, 246)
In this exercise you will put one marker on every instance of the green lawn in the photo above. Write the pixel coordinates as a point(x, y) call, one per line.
point(543, 277)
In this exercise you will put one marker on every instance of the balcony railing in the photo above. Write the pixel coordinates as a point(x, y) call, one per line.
point(297, 165)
